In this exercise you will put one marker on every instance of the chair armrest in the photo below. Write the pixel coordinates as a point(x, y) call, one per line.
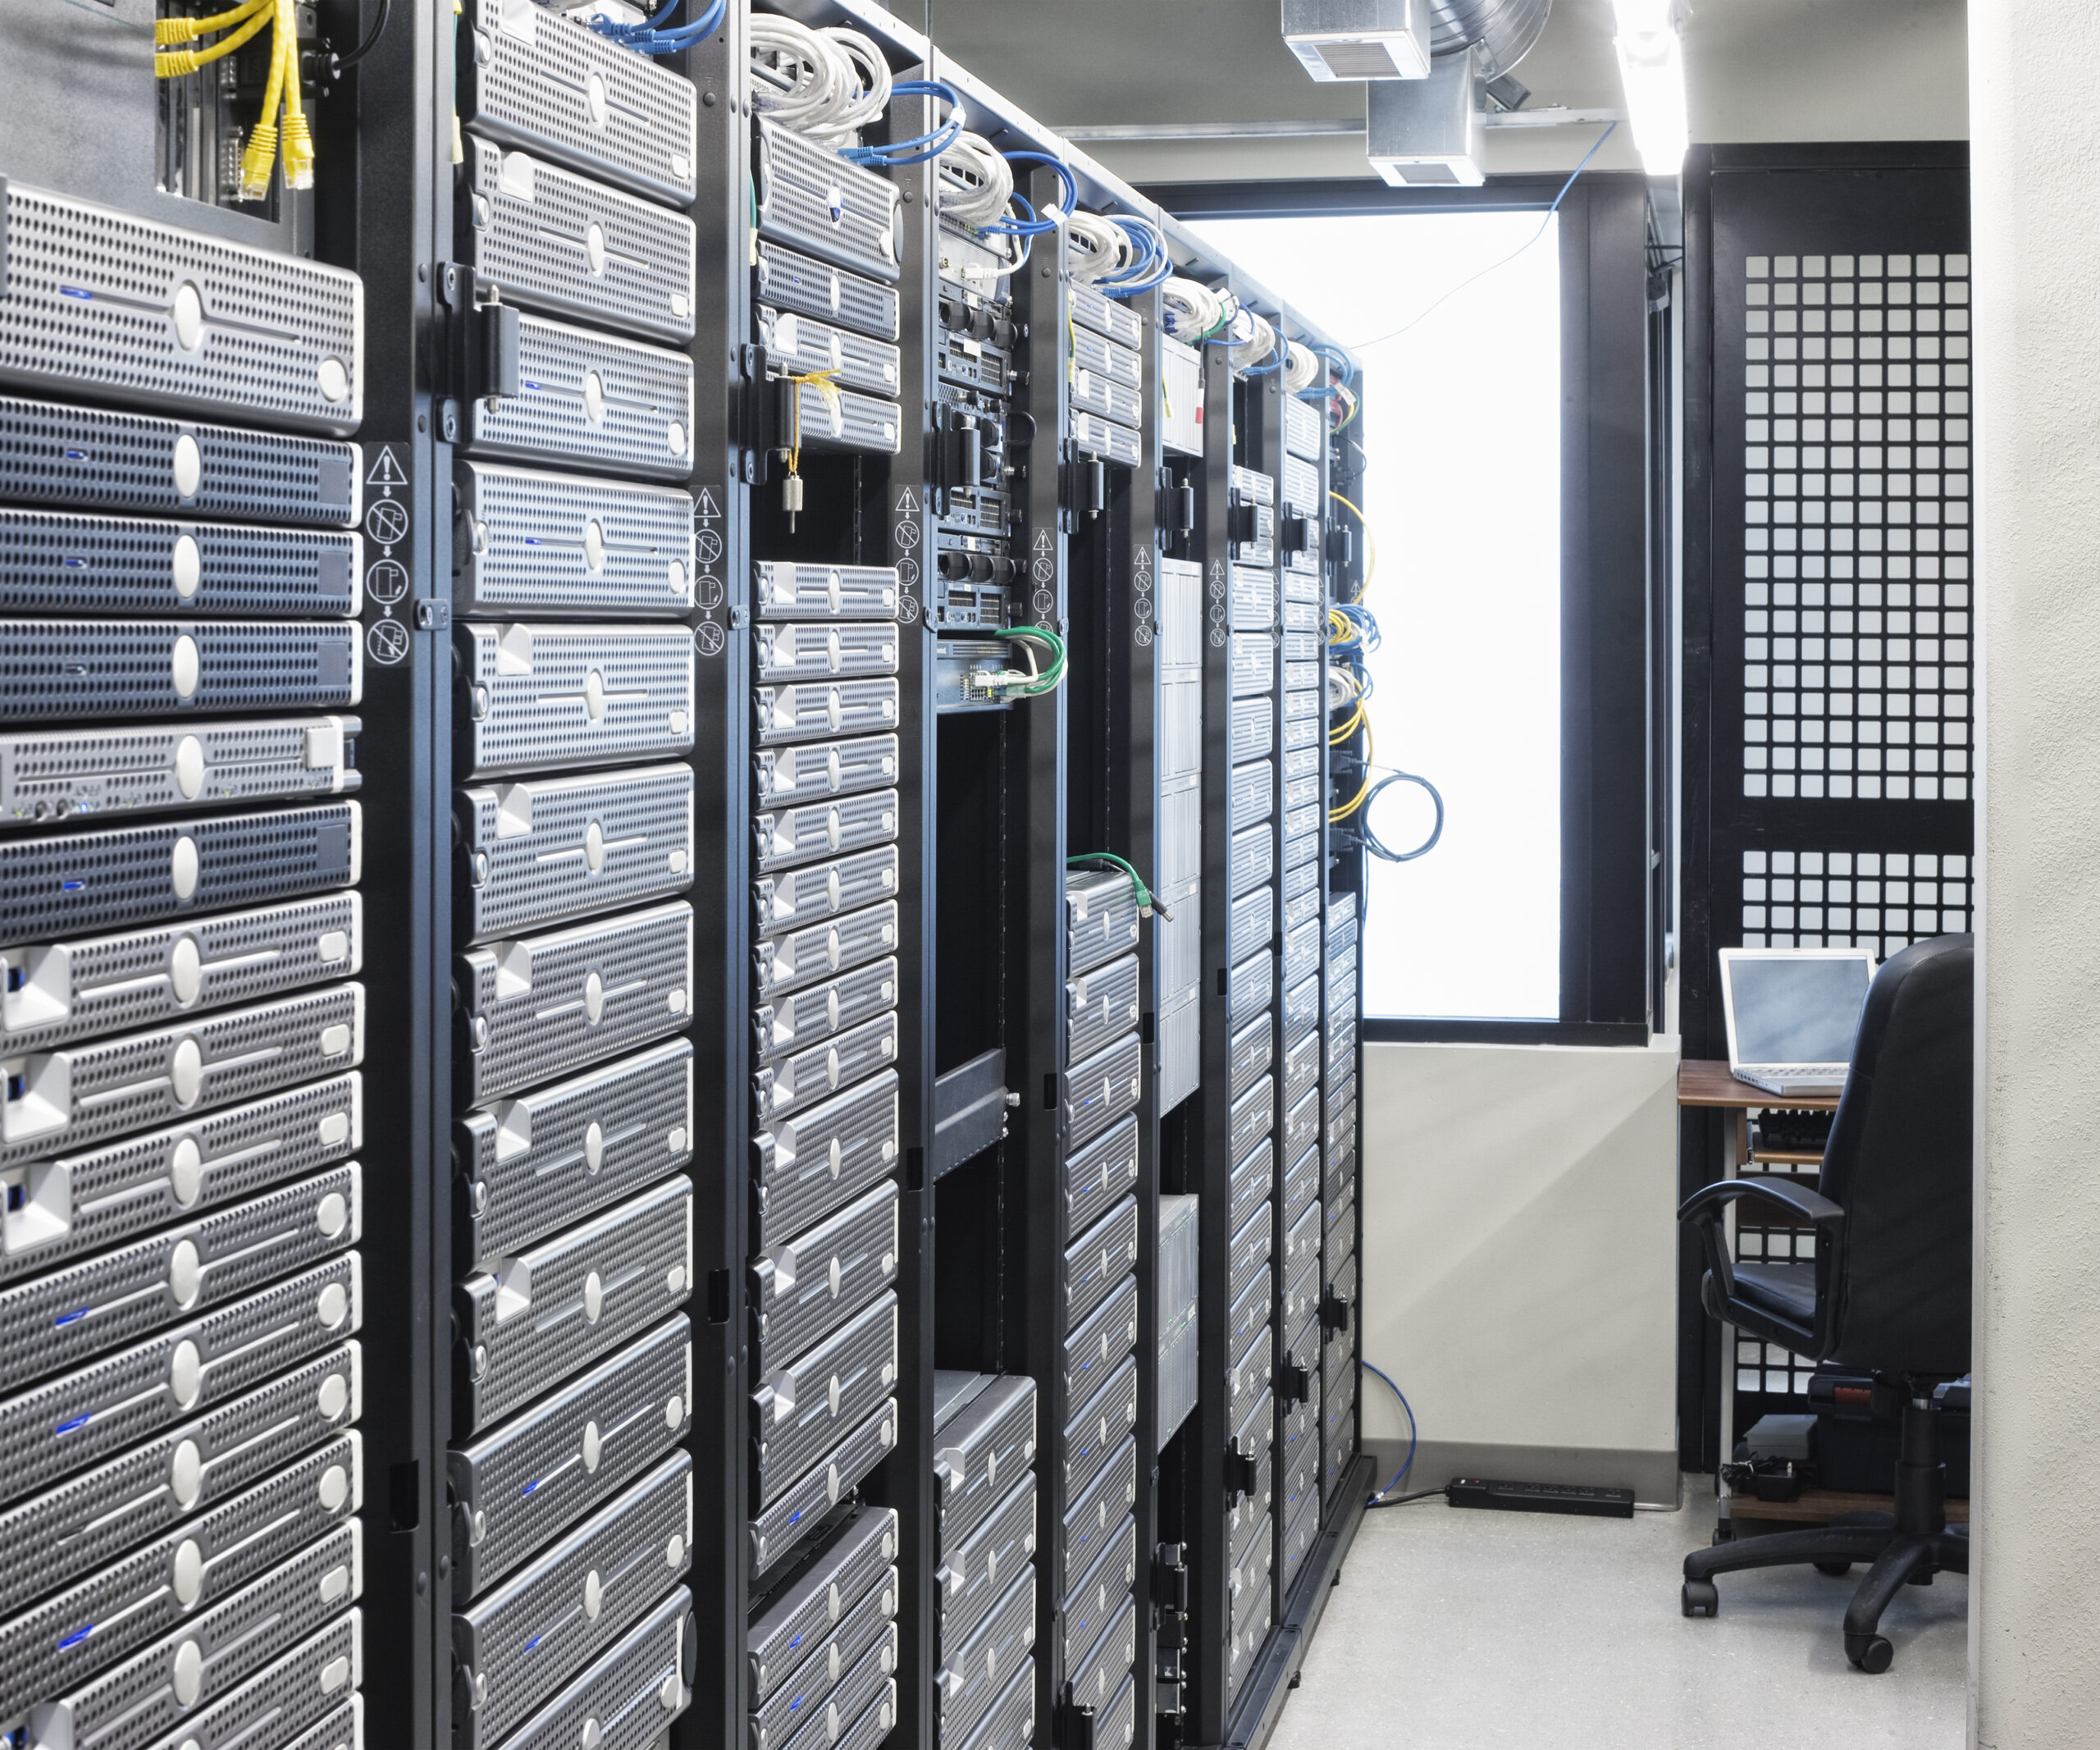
point(1707, 1202)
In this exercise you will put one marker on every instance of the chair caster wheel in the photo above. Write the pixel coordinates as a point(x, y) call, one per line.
point(1722, 1535)
point(1871, 1653)
point(1835, 1570)
point(1700, 1598)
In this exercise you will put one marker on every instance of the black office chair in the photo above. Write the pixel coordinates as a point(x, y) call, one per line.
point(1888, 1292)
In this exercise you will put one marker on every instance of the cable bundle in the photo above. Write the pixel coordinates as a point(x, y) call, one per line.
point(1014, 684)
point(656, 35)
point(280, 95)
point(920, 147)
point(986, 179)
point(1262, 342)
point(1122, 255)
point(1191, 312)
point(1301, 368)
point(836, 81)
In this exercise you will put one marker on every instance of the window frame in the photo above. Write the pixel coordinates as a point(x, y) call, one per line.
point(1613, 653)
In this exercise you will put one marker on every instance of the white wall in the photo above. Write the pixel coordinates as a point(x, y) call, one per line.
point(2034, 1638)
point(1520, 1251)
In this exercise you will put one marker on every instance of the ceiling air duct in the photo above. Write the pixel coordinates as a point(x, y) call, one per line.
point(1502, 30)
point(1336, 40)
point(1431, 133)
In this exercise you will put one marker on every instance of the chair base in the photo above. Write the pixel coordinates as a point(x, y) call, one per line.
point(1907, 1547)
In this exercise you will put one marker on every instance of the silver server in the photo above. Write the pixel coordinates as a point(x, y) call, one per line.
point(1109, 1664)
point(803, 1408)
point(541, 543)
point(1095, 437)
point(801, 1019)
point(813, 288)
point(537, 696)
point(862, 1710)
point(989, 1434)
point(96, 459)
point(1097, 1174)
point(804, 1288)
point(1100, 1342)
point(805, 1077)
point(57, 775)
point(590, 400)
point(813, 711)
point(58, 561)
point(784, 836)
point(1097, 1430)
point(801, 343)
point(972, 1675)
point(1097, 1261)
point(800, 958)
point(1009, 1723)
point(125, 875)
point(544, 1005)
point(794, 898)
point(246, 334)
point(788, 775)
point(806, 651)
point(798, 1510)
point(1103, 1088)
point(786, 590)
point(537, 1317)
point(630, 1693)
point(59, 669)
point(513, 1646)
point(810, 199)
point(544, 81)
point(1091, 1519)
point(866, 1629)
point(813, 1162)
point(1095, 1601)
point(515, 1488)
point(314, 1681)
point(974, 1574)
point(860, 1560)
point(825, 417)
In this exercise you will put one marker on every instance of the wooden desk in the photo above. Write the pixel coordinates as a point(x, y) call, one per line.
point(1703, 1082)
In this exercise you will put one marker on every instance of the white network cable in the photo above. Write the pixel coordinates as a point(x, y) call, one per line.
point(1258, 347)
point(838, 81)
point(1104, 248)
point(1301, 368)
point(1191, 310)
point(988, 182)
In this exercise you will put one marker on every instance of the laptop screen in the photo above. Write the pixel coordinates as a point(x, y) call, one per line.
point(1797, 1011)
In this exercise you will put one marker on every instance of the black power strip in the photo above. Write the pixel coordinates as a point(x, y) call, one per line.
point(1542, 1498)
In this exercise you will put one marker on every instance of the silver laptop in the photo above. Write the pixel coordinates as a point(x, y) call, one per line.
point(1792, 1015)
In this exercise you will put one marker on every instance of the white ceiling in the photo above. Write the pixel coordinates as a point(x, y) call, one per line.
point(1758, 70)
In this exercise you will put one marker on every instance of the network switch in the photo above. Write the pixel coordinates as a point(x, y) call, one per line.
point(589, 399)
point(552, 240)
point(63, 562)
point(96, 459)
point(532, 543)
point(515, 1488)
point(67, 668)
point(105, 303)
point(598, 1286)
point(803, 1289)
point(794, 282)
point(549, 1004)
point(542, 80)
point(513, 1647)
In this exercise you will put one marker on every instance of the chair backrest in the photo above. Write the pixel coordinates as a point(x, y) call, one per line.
point(1899, 1164)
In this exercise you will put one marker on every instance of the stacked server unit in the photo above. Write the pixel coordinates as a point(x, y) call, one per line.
point(570, 1494)
point(182, 942)
point(823, 1311)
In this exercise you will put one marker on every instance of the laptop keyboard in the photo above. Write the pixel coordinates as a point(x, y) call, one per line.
point(1801, 1071)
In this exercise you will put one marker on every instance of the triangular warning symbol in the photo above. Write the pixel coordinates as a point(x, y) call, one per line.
point(386, 471)
point(708, 507)
point(907, 503)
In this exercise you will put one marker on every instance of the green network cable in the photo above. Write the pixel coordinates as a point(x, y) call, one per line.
point(1147, 903)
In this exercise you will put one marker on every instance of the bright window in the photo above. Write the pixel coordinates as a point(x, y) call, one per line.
point(1461, 483)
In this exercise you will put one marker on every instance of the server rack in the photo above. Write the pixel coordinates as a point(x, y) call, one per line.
point(555, 654)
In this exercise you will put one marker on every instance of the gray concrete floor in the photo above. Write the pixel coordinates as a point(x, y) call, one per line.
point(1455, 1630)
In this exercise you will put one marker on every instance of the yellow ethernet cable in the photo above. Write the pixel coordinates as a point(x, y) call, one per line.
point(298, 141)
point(173, 63)
point(260, 154)
point(169, 30)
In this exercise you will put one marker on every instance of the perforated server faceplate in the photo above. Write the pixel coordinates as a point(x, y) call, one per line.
point(1095, 437)
point(94, 458)
point(51, 669)
point(514, 1645)
point(1252, 859)
point(813, 288)
point(812, 199)
point(1098, 1259)
point(825, 417)
point(317, 1679)
point(866, 1627)
point(778, 1530)
point(65, 1424)
point(803, 1408)
point(975, 1573)
point(800, 343)
point(1099, 1429)
point(590, 399)
point(1250, 986)
point(547, 1005)
point(1098, 314)
point(1098, 1006)
point(1251, 1375)
point(136, 1704)
point(56, 561)
point(124, 876)
point(1096, 1174)
point(991, 1438)
point(75, 1094)
point(100, 301)
point(1091, 392)
point(1251, 1050)
point(814, 1072)
point(1252, 727)
point(538, 1317)
point(789, 1625)
point(540, 851)
point(556, 1155)
point(1301, 1186)
point(1101, 1089)
point(787, 964)
point(1093, 1351)
point(1104, 1673)
point(58, 775)
point(811, 1162)
point(630, 1693)
point(1302, 429)
point(866, 1697)
point(1254, 599)
point(972, 1675)
point(54, 1646)
point(1301, 483)
point(559, 544)
point(553, 240)
point(814, 710)
point(787, 651)
point(63, 991)
point(516, 1487)
point(1250, 1312)
point(782, 836)
point(64, 1317)
point(539, 79)
point(1101, 918)
point(1093, 1603)
point(90, 1520)
point(1253, 795)
point(541, 696)
point(786, 590)
point(1252, 1177)
point(789, 776)
point(1249, 1257)
point(804, 1288)
point(1009, 1723)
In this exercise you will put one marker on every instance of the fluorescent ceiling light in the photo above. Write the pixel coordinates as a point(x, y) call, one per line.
point(1651, 67)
